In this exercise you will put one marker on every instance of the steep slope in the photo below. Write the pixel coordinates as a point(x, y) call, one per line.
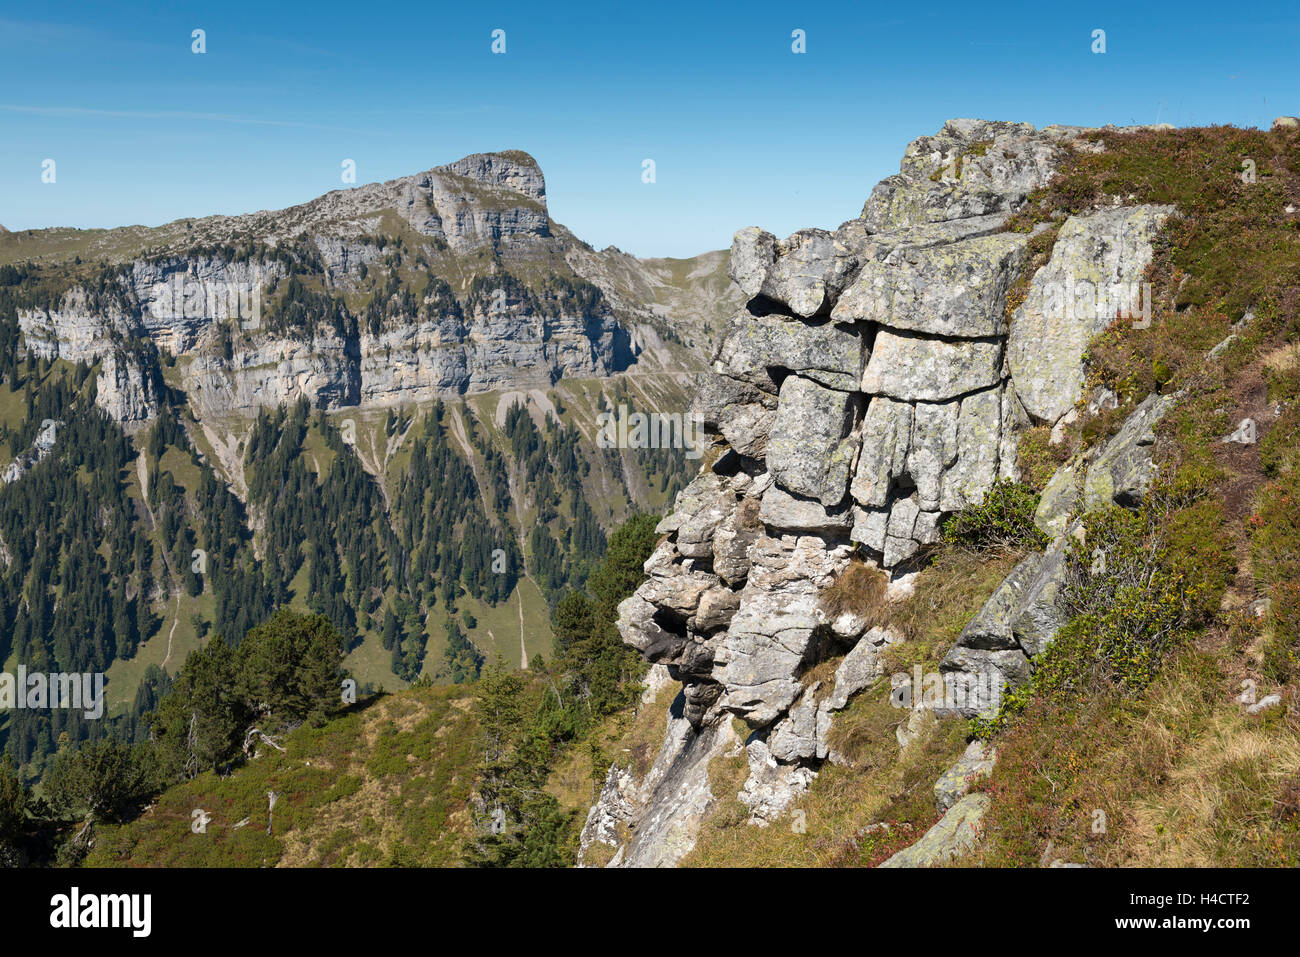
point(273, 388)
point(388, 784)
point(995, 313)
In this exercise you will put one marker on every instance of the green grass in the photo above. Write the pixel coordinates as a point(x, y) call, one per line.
point(183, 469)
point(370, 664)
point(13, 407)
point(503, 620)
point(124, 675)
point(386, 783)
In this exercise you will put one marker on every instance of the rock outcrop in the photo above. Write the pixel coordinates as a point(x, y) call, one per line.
point(955, 834)
point(992, 654)
point(127, 389)
point(872, 386)
point(1093, 277)
point(41, 447)
point(974, 765)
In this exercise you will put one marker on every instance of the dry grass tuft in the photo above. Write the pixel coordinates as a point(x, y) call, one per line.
point(860, 590)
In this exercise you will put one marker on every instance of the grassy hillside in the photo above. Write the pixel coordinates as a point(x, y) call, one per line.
point(494, 772)
point(388, 783)
point(1157, 762)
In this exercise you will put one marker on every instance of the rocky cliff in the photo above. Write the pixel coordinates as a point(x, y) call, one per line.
point(876, 381)
point(450, 281)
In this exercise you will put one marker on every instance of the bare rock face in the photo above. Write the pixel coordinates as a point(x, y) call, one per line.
point(1094, 276)
point(955, 833)
point(866, 384)
point(1122, 469)
point(969, 168)
point(949, 292)
point(955, 783)
point(867, 391)
point(805, 272)
point(663, 812)
point(1017, 622)
point(760, 346)
point(213, 298)
point(915, 368)
point(809, 452)
point(41, 447)
point(126, 390)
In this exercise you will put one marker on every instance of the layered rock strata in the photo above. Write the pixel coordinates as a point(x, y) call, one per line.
point(208, 294)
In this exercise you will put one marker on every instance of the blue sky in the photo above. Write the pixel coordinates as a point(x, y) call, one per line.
point(742, 130)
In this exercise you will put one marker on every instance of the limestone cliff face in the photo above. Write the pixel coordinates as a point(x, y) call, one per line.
point(871, 386)
point(413, 262)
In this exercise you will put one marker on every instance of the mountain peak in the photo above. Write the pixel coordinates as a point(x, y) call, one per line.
point(510, 169)
point(480, 198)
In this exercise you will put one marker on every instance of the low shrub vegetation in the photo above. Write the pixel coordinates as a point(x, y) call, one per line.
point(1004, 521)
point(1131, 743)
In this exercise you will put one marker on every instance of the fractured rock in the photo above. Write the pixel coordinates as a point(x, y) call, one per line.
point(976, 763)
point(795, 735)
point(829, 353)
point(804, 732)
point(969, 168)
point(933, 451)
point(913, 367)
point(1039, 616)
point(788, 513)
point(860, 667)
point(771, 787)
point(870, 527)
point(753, 251)
point(975, 680)
point(1059, 500)
point(956, 833)
point(731, 541)
point(747, 429)
point(1122, 469)
point(990, 629)
point(809, 452)
point(976, 468)
point(715, 610)
point(887, 437)
point(700, 508)
point(955, 291)
point(612, 812)
point(804, 272)
point(1246, 433)
point(777, 627)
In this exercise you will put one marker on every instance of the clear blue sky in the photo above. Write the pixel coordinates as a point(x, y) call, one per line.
point(742, 130)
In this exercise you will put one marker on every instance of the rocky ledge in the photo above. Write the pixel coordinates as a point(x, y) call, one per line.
point(874, 383)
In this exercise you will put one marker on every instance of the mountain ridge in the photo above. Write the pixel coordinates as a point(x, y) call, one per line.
point(416, 254)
